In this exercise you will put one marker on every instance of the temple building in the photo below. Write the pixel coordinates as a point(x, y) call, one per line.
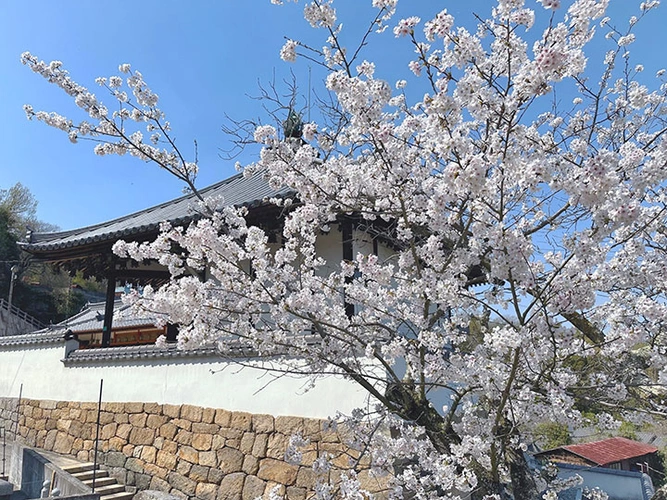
point(195, 423)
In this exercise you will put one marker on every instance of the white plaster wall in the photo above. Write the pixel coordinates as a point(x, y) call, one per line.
point(329, 246)
point(206, 382)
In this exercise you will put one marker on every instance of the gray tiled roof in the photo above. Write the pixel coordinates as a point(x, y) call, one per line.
point(118, 354)
point(91, 318)
point(46, 336)
point(236, 191)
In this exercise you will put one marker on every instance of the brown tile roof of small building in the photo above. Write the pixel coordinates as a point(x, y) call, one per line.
point(610, 450)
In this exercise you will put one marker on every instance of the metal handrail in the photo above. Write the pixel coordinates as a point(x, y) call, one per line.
point(15, 311)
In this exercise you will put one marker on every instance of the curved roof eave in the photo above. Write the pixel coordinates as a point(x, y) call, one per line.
point(237, 190)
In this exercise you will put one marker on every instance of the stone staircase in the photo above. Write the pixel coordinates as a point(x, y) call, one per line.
point(107, 487)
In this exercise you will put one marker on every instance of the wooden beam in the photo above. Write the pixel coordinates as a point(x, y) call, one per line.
point(348, 255)
point(108, 306)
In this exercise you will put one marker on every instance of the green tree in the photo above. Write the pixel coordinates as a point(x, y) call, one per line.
point(551, 435)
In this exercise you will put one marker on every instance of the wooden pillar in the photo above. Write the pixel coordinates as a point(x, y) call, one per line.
point(348, 255)
point(108, 306)
point(172, 333)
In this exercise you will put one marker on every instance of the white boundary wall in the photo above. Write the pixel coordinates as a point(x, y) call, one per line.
point(205, 381)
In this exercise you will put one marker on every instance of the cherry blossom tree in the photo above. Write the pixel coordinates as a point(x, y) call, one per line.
point(525, 271)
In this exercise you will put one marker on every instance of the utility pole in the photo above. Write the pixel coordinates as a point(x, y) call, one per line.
point(14, 269)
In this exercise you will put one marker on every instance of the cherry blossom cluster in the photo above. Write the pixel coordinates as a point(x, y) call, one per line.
point(119, 132)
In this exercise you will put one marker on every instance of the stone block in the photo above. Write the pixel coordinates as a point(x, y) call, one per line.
point(306, 478)
point(77, 429)
point(247, 442)
point(296, 493)
point(183, 467)
point(134, 407)
point(222, 417)
point(158, 484)
point(253, 487)
point(138, 419)
point(327, 435)
point(289, 425)
point(142, 481)
point(277, 446)
point(218, 442)
point(250, 464)
point(215, 475)
point(50, 439)
point(39, 439)
point(155, 421)
point(259, 446)
point(154, 470)
point(165, 459)
point(229, 433)
point(121, 418)
point(168, 430)
point(88, 431)
point(192, 413)
point(141, 436)
point(114, 407)
point(134, 464)
point(231, 487)
point(372, 482)
point(178, 495)
point(230, 460)
point(153, 408)
point(106, 417)
point(77, 445)
point(182, 483)
point(128, 450)
point(311, 429)
point(172, 411)
point(277, 471)
point(203, 428)
point(241, 421)
point(63, 443)
point(123, 431)
point(148, 454)
point(184, 437)
point(182, 423)
point(201, 442)
point(115, 443)
point(108, 431)
point(208, 458)
point(274, 489)
point(206, 491)
point(198, 473)
point(207, 416)
point(188, 453)
point(170, 446)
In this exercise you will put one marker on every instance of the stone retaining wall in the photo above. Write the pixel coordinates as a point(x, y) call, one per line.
point(188, 451)
point(9, 416)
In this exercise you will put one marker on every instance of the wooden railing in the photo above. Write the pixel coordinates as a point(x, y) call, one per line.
point(18, 314)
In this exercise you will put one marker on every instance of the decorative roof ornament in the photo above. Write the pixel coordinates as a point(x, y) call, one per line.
point(293, 125)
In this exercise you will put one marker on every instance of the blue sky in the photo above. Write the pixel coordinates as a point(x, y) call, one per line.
point(203, 58)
